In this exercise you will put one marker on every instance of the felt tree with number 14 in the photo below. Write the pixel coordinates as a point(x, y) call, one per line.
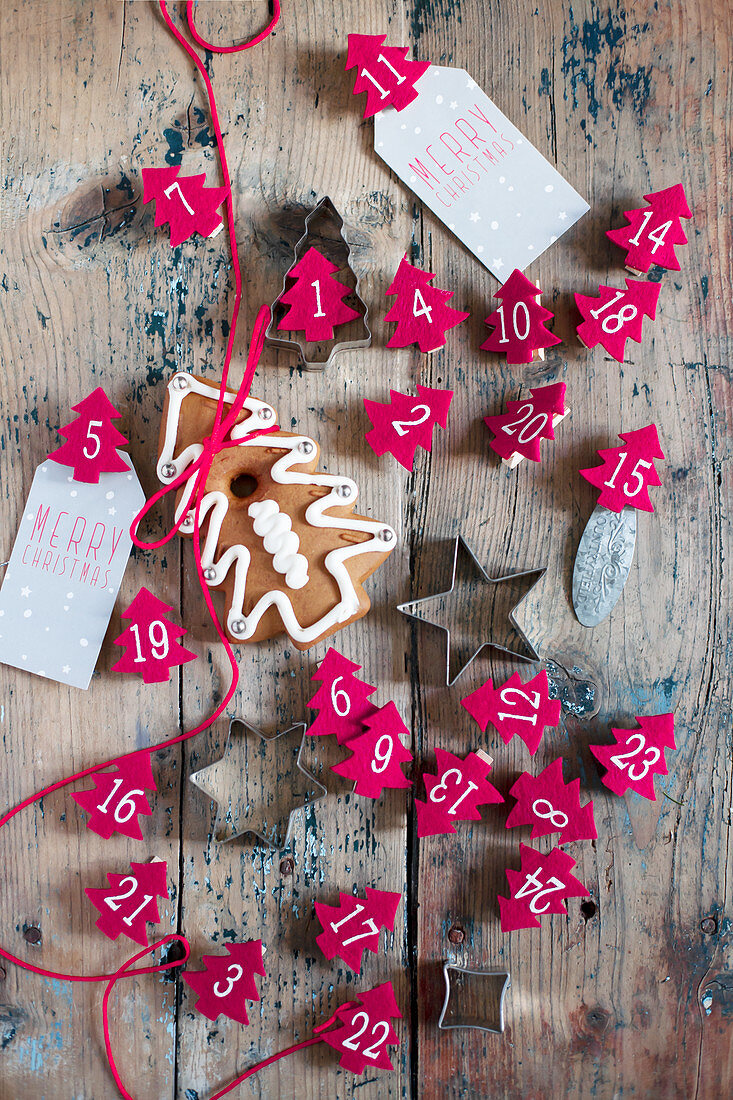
point(653, 231)
point(315, 298)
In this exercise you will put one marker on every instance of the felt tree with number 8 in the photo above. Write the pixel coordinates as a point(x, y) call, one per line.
point(615, 316)
point(150, 640)
point(519, 322)
point(376, 754)
point(628, 471)
point(420, 311)
point(637, 756)
point(315, 298)
point(92, 440)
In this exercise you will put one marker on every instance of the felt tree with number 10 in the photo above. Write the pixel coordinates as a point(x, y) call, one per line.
point(519, 322)
point(315, 298)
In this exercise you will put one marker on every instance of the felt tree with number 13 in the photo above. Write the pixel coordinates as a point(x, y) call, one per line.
point(315, 298)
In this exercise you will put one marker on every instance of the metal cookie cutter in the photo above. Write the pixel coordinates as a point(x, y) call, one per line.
point(480, 1005)
point(431, 609)
point(323, 209)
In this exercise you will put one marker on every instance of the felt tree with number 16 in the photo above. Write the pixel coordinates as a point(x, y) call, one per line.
point(315, 298)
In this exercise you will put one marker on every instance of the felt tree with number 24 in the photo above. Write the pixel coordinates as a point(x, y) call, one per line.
point(315, 298)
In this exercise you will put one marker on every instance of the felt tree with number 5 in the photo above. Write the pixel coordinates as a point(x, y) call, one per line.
point(421, 312)
point(92, 440)
point(637, 756)
point(376, 754)
point(315, 298)
point(538, 888)
point(519, 322)
point(615, 316)
point(150, 640)
point(628, 471)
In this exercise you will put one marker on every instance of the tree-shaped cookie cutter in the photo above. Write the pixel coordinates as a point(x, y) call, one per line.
point(323, 209)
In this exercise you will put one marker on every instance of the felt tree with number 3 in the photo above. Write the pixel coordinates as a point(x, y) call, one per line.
point(227, 981)
point(421, 312)
point(150, 640)
point(315, 298)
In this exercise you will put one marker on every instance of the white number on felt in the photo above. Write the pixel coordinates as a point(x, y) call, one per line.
point(399, 79)
point(177, 187)
point(340, 693)
point(115, 899)
point(352, 1042)
point(425, 310)
point(459, 777)
point(234, 973)
point(120, 816)
point(533, 884)
point(534, 703)
point(622, 759)
point(158, 641)
point(373, 930)
point(504, 339)
point(95, 437)
point(525, 422)
point(382, 755)
point(555, 817)
point(623, 317)
point(316, 284)
point(401, 426)
point(657, 235)
point(627, 490)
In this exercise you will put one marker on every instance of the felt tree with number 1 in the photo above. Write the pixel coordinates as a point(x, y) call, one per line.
point(519, 322)
point(150, 640)
point(420, 311)
point(315, 298)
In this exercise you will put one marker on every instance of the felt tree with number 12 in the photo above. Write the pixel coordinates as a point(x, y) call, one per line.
point(519, 322)
point(315, 298)
point(420, 311)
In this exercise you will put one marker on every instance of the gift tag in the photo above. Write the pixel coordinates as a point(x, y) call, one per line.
point(65, 571)
point(466, 161)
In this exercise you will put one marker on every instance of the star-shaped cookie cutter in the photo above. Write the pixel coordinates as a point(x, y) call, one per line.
point(419, 609)
point(500, 978)
point(324, 207)
point(236, 783)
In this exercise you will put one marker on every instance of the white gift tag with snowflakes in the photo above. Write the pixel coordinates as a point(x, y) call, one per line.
point(65, 571)
point(474, 169)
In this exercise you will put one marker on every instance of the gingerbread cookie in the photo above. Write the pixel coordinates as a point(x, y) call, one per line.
point(281, 541)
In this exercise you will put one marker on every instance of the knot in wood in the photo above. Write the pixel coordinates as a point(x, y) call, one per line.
point(456, 934)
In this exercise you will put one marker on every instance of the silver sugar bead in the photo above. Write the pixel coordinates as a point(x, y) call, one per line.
point(181, 382)
point(168, 469)
point(343, 490)
point(386, 534)
point(265, 414)
point(238, 626)
point(210, 574)
point(306, 447)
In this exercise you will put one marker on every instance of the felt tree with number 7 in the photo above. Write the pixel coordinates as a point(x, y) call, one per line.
point(615, 316)
point(315, 298)
point(92, 440)
point(421, 312)
point(519, 322)
point(150, 640)
point(628, 471)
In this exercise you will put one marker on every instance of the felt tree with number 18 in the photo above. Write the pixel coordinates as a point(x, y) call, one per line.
point(615, 316)
point(315, 298)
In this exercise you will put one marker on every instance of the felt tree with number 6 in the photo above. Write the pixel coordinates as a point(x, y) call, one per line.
point(315, 298)
point(615, 316)
point(628, 471)
point(150, 640)
point(519, 322)
point(421, 312)
point(342, 701)
point(92, 440)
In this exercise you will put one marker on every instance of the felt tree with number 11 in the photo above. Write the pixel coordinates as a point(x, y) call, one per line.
point(152, 649)
point(315, 298)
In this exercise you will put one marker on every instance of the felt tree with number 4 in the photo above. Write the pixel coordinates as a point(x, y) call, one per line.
point(352, 927)
point(118, 797)
point(538, 888)
point(519, 322)
point(421, 312)
point(342, 701)
point(92, 440)
point(637, 756)
point(653, 231)
point(628, 471)
point(615, 316)
point(455, 793)
point(150, 640)
point(315, 298)
point(129, 902)
point(228, 981)
point(405, 423)
point(376, 754)
point(383, 72)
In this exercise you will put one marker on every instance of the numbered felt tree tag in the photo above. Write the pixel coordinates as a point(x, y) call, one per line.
point(342, 701)
point(365, 1030)
point(615, 316)
point(130, 901)
point(405, 423)
point(654, 230)
point(628, 471)
point(637, 756)
point(184, 202)
point(151, 649)
point(118, 798)
point(384, 72)
point(377, 754)
point(538, 888)
point(315, 298)
point(455, 793)
point(421, 312)
point(550, 805)
point(353, 926)
point(92, 440)
point(519, 430)
point(519, 328)
point(227, 982)
point(516, 709)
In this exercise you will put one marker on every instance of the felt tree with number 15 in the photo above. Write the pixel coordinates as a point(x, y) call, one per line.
point(315, 298)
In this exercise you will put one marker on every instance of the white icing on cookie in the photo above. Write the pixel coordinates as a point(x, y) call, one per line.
point(214, 506)
point(275, 529)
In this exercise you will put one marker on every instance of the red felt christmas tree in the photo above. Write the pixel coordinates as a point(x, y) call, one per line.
point(352, 927)
point(405, 423)
point(376, 754)
point(455, 793)
point(184, 202)
point(228, 981)
point(128, 903)
point(637, 756)
point(366, 1030)
point(550, 805)
point(150, 640)
point(92, 440)
point(538, 888)
point(627, 471)
point(342, 701)
point(654, 230)
point(383, 72)
point(615, 316)
point(519, 430)
point(118, 797)
point(515, 709)
point(519, 322)
point(315, 298)
point(421, 312)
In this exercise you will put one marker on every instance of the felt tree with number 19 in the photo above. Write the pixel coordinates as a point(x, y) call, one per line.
point(421, 312)
point(150, 640)
point(315, 298)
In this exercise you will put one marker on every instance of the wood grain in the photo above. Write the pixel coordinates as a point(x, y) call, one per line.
point(630, 996)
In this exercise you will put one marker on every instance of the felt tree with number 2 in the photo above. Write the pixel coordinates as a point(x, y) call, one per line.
point(342, 701)
point(315, 298)
point(405, 423)
point(519, 322)
point(628, 471)
point(615, 316)
point(637, 756)
point(421, 312)
point(150, 640)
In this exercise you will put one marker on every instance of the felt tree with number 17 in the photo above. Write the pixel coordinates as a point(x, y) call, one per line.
point(315, 298)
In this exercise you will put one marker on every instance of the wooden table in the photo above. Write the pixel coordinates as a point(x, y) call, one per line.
point(631, 995)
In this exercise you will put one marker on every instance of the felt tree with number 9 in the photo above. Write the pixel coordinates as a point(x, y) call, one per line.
point(615, 316)
point(377, 754)
point(637, 756)
point(150, 640)
point(628, 471)
point(455, 793)
point(92, 440)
